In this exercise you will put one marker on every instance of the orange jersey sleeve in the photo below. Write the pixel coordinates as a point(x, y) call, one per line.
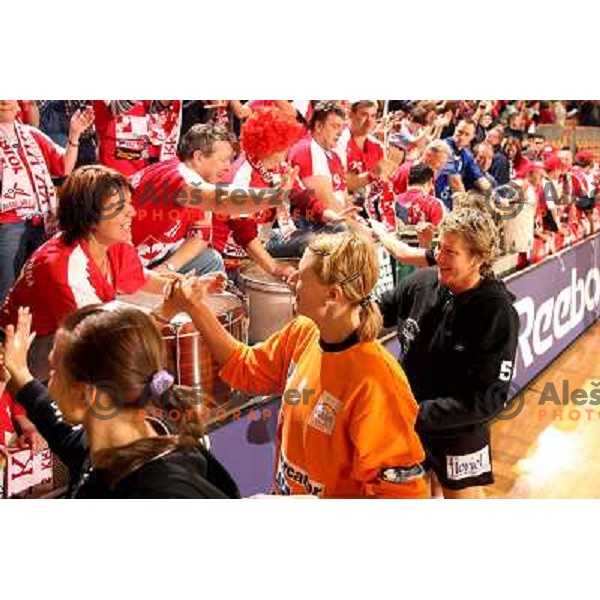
point(263, 369)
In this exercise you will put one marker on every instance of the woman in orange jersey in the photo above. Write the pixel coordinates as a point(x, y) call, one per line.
point(347, 418)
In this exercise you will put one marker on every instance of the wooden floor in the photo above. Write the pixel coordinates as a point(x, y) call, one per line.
point(538, 454)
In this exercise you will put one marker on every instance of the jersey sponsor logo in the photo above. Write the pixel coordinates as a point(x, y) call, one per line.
point(324, 413)
point(402, 474)
point(469, 465)
point(288, 472)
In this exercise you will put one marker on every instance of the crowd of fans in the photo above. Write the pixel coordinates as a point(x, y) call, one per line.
point(107, 197)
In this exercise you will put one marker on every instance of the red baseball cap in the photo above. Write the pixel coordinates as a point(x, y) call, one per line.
point(584, 156)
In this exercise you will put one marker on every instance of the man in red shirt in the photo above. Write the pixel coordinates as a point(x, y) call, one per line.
point(367, 169)
point(174, 201)
point(436, 155)
point(320, 168)
point(420, 205)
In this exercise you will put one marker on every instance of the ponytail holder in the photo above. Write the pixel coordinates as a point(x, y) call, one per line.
point(364, 303)
point(161, 381)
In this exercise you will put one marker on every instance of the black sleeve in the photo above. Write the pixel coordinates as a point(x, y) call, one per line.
point(390, 304)
point(397, 303)
point(487, 379)
point(66, 441)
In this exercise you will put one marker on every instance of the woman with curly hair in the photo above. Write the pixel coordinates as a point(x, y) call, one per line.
point(458, 338)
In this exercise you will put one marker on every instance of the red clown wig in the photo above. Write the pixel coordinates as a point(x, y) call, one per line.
point(267, 131)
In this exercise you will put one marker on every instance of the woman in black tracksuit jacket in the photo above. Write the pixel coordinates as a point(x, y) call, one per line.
point(105, 367)
point(458, 335)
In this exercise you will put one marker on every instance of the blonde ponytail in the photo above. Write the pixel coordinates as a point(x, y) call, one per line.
point(371, 321)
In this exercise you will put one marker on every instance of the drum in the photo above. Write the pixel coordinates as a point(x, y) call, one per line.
point(188, 357)
point(271, 303)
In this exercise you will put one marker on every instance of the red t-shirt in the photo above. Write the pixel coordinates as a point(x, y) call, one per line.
point(312, 159)
point(361, 160)
point(59, 279)
point(165, 213)
point(422, 208)
point(122, 139)
point(400, 178)
point(54, 157)
point(8, 409)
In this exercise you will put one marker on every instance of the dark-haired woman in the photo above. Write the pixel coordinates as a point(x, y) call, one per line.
point(518, 164)
point(89, 261)
point(106, 365)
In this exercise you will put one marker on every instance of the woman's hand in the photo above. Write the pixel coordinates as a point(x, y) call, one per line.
point(283, 272)
point(187, 293)
point(425, 233)
point(16, 346)
point(80, 121)
point(30, 438)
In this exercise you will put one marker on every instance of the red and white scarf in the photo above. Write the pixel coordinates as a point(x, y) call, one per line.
point(26, 184)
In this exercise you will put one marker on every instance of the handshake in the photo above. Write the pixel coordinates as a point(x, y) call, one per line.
point(182, 293)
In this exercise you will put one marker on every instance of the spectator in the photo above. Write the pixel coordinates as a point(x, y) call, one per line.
point(113, 360)
point(89, 261)
point(484, 156)
point(516, 161)
point(461, 167)
point(128, 130)
point(500, 169)
point(535, 146)
point(174, 199)
point(320, 167)
point(421, 206)
point(55, 116)
point(436, 155)
point(28, 197)
point(516, 126)
point(368, 171)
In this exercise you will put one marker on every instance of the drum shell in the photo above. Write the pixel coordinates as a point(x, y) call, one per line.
point(271, 303)
point(189, 359)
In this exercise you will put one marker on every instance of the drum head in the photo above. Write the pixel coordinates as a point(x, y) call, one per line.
point(224, 303)
point(253, 275)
